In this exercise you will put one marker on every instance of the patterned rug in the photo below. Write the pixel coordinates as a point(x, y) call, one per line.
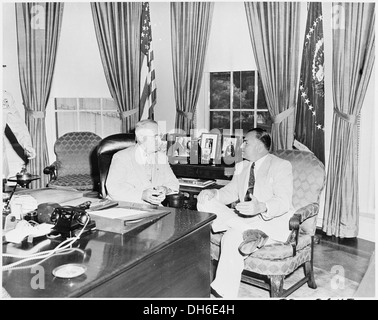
point(329, 285)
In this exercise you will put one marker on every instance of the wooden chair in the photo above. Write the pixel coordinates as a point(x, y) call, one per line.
point(268, 266)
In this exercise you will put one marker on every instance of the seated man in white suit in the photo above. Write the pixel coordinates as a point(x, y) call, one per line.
point(263, 211)
point(141, 173)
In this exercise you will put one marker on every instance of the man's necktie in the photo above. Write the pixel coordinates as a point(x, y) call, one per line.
point(251, 183)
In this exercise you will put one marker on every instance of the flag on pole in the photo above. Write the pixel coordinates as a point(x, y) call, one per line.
point(309, 127)
point(147, 74)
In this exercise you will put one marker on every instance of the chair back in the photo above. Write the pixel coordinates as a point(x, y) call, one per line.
point(105, 151)
point(308, 180)
point(76, 153)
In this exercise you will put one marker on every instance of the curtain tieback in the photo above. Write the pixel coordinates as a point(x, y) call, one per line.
point(283, 115)
point(36, 114)
point(128, 113)
point(346, 117)
point(187, 115)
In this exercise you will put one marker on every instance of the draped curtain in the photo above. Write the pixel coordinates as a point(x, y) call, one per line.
point(353, 60)
point(274, 32)
point(190, 29)
point(117, 26)
point(38, 29)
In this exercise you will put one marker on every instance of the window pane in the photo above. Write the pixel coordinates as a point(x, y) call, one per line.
point(219, 120)
point(90, 121)
point(237, 94)
point(220, 90)
point(112, 123)
point(66, 122)
point(243, 120)
point(248, 89)
point(244, 90)
point(65, 103)
point(264, 121)
point(89, 104)
point(261, 102)
point(109, 104)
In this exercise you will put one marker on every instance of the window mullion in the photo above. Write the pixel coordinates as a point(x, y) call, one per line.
point(231, 101)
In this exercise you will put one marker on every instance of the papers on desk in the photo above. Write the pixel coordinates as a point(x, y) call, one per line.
point(122, 220)
point(120, 213)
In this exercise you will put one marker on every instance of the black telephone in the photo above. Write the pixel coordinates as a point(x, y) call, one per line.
point(69, 220)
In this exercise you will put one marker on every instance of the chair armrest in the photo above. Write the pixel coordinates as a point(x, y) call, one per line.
point(304, 213)
point(51, 170)
point(295, 221)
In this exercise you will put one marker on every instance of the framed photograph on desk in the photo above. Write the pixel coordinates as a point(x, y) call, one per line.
point(230, 150)
point(210, 148)
point(179, 147)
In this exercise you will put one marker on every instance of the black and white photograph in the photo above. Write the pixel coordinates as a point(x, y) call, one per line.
point(209, 147)
point(118, 118)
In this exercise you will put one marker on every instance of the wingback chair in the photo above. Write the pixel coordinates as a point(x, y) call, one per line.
point(76, 163)
point(268, 266)
point(106, 149)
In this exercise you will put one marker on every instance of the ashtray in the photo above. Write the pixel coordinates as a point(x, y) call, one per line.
point(70, 270)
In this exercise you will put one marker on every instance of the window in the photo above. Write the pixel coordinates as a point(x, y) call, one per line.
point(98, 115)
point(241, 105)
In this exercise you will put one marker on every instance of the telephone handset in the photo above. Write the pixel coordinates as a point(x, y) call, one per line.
point(68, 219)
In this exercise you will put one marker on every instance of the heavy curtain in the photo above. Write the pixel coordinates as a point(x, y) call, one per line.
point(353, 60)
point(117, 26)
point(38, 29)
point(274, 32)
point(190, 29)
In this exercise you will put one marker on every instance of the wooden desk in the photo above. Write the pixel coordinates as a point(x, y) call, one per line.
point(168, 259)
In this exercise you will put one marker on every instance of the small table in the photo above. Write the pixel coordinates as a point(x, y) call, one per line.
point(24, 183)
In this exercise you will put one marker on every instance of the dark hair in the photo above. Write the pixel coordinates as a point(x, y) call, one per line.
point(263, 136)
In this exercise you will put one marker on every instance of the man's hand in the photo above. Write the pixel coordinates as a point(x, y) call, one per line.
point(251, 208)
point(206, 194)
point(30, 153)
point(153, 195)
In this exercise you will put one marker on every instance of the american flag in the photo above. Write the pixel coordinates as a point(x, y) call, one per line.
point(147, 74)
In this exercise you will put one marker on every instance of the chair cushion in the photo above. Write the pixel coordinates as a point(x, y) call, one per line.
point(77, 181)
point(274, 251)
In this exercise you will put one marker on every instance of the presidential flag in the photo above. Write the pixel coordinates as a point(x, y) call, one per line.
point(147, 74)
point(309, 127)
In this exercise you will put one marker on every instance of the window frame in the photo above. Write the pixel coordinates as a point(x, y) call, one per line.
point(255, 110)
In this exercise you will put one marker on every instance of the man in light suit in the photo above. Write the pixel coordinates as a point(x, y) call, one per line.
point(141, 173)
point(268, 210)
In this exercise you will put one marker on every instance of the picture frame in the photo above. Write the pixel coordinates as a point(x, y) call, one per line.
point(210, 143)
point(179, 147)
point(231, 149)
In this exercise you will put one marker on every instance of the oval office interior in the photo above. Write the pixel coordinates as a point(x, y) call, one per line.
point(314, 93)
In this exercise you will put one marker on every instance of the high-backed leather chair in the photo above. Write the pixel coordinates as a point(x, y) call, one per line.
point(76, 163)
point(105, 151)
point(268, 266)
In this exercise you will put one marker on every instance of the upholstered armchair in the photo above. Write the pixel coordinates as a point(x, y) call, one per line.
point(268, 266)
point(106, 149)
point(76, 164)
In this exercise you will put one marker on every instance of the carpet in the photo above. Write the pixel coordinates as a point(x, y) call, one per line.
point(329, 285)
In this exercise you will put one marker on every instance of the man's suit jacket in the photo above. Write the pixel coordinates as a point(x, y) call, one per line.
point(127, 176)
point(273, 185)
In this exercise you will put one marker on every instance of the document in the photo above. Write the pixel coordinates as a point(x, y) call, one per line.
point(125, 214)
